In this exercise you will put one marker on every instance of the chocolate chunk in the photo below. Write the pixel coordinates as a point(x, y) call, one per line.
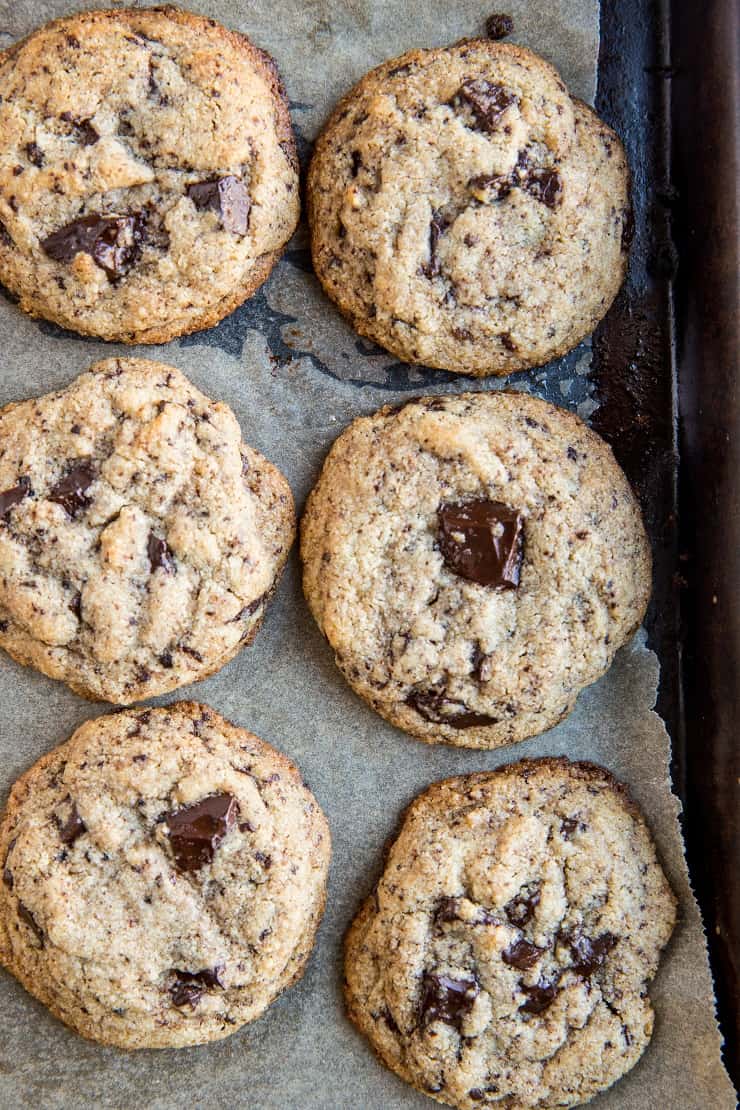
point(86, 133)
point(227, 196)
point(569, 825)
point(482, 541)
point(159, 554)
point(539, 997)
point(8, 879)
point(113, 242)
point(545, 186)
point(187, 987)
point(447, 910)
point(445, 999)
point(490, 187)
point(498, 26)
point(26, 916)
point(248, 610)
point(487, 101)
point(71, 491)
point(196, 831)
point(522, 955)
point(437, 228)
point(73, 827)
point(11, 497)
point(434, 706)
point(590, 953)
point(6, 238)
point(521, 909)
point(35, 154)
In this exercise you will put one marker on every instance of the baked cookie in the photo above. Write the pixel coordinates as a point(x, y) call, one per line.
point(474, 561)
point(466, 212)
point(164, 874)
point(504, 957)
point(148, 172)
point(140, 538)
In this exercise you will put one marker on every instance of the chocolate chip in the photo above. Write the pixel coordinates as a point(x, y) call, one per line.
point(35, 154)
point(113, 242)
point(590, 953)
point(6, 237)
point(447, 910)
point(159, 554)
point(71, 491)
point(356, 164)
point(166, 660)
point(434, 706)
point(482, 541)
point(498, 26)
point(26, 916)
point(75, 605)
point(11, 497)
point(445, 999)
point(8, 878)
point(187, 987)
point(437, 228)
point(196, 831)
point(522, 955)
point(488, 187)
point(73, 827)
point(227, 196)
point(248, 610)
point(487, 101)
point(545, 186)
point(521, 909)
point(507, 341)
point(569, 825)
point(539, 997)
point(86, 133)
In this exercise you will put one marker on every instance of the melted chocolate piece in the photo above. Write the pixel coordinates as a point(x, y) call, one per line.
point(86, 133)
point(187, 987)
point(437, 228)
point(521, 909)
point(196, 831)
point(445, 999)
point(71, 491)
point(11, 497)
point(447, 910)
point(539, 997)
point(113, 242)
point(482, 541)
point(590, 953)
point(159, 554)
point(25, 915)
point(487, 101)
point(545, 186)
point(73, 827)
point(226, 195)
point(433, 706)
point(522, 955)
point(498, 26)
point(35, 154)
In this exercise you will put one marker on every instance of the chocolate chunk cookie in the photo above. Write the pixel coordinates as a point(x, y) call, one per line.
point(505, 955)
point(474, 561)
point(164, 874)
point(148, 172)
point(140, 538)
point(466, 212)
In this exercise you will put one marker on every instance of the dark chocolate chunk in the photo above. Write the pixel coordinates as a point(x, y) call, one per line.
point(487, 101)
point(6, 238)
point(196, 831)
point(434, 706)
point(26, 916)
point(11, 497)
point(539, 997)
point(86, 133)
point(589, 953)
point(482, 541)
point(490, 187)
point(568, 826)
point(498, 26)
point(187, 987)
point(521, 909)
point(75, 605)
point(226, 195)
point(71, 491)
point(447, 910)
point(248, 610)
point(437, 228)
point(545, 186)
point(445, 999)
point(73, 827)
point(113, 242)
point(35, 154)
point(522, 955)
point(8, 878)
point(159, 554)
point(166, 660)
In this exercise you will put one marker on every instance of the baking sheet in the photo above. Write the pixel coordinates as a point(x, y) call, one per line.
point(295, 376)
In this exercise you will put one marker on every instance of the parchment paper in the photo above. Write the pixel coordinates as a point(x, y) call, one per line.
point(295, 376)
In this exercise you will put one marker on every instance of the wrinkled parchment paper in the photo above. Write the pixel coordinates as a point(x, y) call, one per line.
point(295, 375)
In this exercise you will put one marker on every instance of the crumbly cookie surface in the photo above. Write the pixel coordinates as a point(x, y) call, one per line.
point(140, 538)
point(466, 212)
point(504, 957)
point(148, 174)
point(164, 874)
point(474, 561)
